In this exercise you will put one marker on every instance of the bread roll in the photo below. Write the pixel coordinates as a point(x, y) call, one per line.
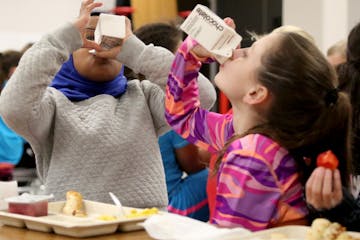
point(344, 236)
point(74, 204)
point(323, 229)
point(318, 227)
point(333, 231)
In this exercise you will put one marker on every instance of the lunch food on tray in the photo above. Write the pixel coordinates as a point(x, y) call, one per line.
point(74, 205)
point(142, 213)
point(28, 204)
point(133, 213)
point(323, 229)
point(107, 218)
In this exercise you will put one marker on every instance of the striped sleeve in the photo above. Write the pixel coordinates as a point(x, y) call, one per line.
point(205, 129)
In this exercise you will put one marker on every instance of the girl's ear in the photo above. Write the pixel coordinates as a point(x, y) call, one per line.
point(256, 95)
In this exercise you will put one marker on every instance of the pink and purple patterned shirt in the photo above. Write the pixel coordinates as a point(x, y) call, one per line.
point(258, 183)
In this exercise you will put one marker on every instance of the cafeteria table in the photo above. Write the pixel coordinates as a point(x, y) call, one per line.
point(13, 233)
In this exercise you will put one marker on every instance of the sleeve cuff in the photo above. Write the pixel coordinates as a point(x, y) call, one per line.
point(69, 37)
point(131, 52)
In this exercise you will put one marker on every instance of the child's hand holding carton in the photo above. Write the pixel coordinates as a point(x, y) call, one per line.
point(211, 32)
point(110, 31)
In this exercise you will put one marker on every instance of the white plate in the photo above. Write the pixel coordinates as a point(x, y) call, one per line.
point(291, 232)
point(75, 226)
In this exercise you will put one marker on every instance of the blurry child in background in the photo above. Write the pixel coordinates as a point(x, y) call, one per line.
point(336, 54)
point(11, 144)
point(285, 107)
point(324, 190)
point(9, 61)
point(187, 195)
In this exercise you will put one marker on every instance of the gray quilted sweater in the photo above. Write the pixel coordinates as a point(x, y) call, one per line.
point(100, 144)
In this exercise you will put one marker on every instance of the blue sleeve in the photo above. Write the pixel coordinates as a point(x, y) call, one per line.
point(11, 145)
point(177, 140)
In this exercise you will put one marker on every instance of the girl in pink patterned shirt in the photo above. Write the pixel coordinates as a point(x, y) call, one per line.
point(286, 108)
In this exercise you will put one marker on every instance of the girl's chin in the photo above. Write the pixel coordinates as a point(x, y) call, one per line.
point(216, 80)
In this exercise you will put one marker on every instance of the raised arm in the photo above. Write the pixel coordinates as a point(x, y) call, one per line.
point(26, 99)
point(154, 63)
point(199, 126)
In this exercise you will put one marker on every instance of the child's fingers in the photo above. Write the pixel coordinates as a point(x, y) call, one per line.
point(230, 22)
point(91, 45)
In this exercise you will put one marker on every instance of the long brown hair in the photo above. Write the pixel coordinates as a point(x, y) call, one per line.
point(307, 115)
point(349, 82)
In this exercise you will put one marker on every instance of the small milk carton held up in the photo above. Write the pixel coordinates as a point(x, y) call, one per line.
point(110, 30)
point(211, 32)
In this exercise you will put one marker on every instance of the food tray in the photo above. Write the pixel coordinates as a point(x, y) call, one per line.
point(75, 226)
point(291, 233)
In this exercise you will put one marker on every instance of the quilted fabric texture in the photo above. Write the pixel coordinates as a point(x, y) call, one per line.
point(100, 144)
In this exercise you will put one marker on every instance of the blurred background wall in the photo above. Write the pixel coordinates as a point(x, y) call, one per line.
point(327, 20)
point(23, 21)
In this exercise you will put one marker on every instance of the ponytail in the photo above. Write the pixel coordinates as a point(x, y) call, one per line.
point(349, 82)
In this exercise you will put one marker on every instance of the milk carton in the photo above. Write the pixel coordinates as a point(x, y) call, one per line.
point(211, 32)
point(110, 30)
